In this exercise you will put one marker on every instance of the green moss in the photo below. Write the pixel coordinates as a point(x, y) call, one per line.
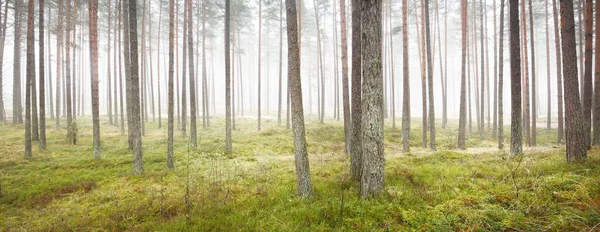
point(253, 188)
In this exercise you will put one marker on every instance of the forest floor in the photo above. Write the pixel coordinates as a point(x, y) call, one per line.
point(253, 189)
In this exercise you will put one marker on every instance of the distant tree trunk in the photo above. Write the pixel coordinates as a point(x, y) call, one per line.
point(581, 56)
point(442, 73)
point(559, 85)
point(93, 20)
point(177, 96)
point(183, 75)
point(50, 100)
point(35, 136)
point(392, 79)
point(525, 77)
point(421, 49)
point(431, 123)
point(150, 83)
point(158, 42)
point(516, 143)
point(280, 61)
point(59, 46)
point(258, 84)
point(356, 140)
point(596, 107)
point(501, 80)
point(482, 79)
point(108, 81)
point(71, 135)
point(575, 134)
point(228, 147)
point(336, 69)
point(345, 85)
point(406, 81)
point(533, 80)
point(121, 69)
point(462, 120)
point(17, 108)
point(205, 112)
point(133, 91)
point(30, 75)
point(373, 162)
point(588, 90)
point(320, 60)
point(548, 75)
point(190, 42)
point(2, 36)
point(115, 65)
point(42, 132)
point(170, 88)
point(496, 89)
point(300, 151)
point(233, 51)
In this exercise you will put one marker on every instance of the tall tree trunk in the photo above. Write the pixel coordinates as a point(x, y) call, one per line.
point(280, 61)
point(59, 46)
point(93, 20)
point(559, 82)
point(406, 81)
point(71, 135)
point(2, 36)
point(501, 79)
point(193, 135)
point(133, 91)
point(17, 108)
point(320, 60)
point(462, 120)
point(42, 132)
point(525, 77)
point(121, 69)
point(431, 116)
point(158, 42)
point(373, 162)
point(588, 90)
point(205, 112)
point(575, 135)
point(108, 79)
point(170, 87)
point(421, 43)
point(482, 79)
point(391, 50)
point(516, 143)
point(548, 75)
point(258, 83)
point(49, 60)
point(35, 135)
point(533, 80)
point(300, 152)
point(30, 75)
point(345, 85)
point(580, 28)
point(227, 51)
point(596, 107)
point(183, 76)
point(496, 89)
point(356, 140)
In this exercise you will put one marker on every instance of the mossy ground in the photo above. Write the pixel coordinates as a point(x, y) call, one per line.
point(253, 189)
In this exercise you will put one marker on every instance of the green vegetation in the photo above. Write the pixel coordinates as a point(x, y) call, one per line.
point(63, 188)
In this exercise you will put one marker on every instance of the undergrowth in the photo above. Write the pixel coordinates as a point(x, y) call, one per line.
point(253, 189)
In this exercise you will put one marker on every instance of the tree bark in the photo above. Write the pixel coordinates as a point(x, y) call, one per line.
point(93, 20)
point(42, 118)
point(227, 51)
point(300, 152)
point(193, 135)
point(170, 87)
point(462, 120)
point(356, 140)
point(432, 143)
point(501, 79)
point(596, 107)
point(516, 143)
point(373, 162)
point(588, 90)
point(133, 91)
point(575, 135)
point(30, 75)
point(406, 81)
point(17, 108)
point(258, 84)
point(559, 82)
point(345, 85)
point(533, 141)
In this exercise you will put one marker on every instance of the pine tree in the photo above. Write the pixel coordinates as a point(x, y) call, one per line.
point(406, 81)
point(93, 20)
point(516, 143)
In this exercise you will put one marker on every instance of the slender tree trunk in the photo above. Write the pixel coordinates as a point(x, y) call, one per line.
point(259, 60)
point(17, 108)
point(59, 46)
point(93, 20)
point(159, 74)
point(356, 140)
point(501, 79)
point(580, 29)
point(533, 80)
point(2, 36)
point(406, 81)
point(588, 90)
point(596, 107)
point(121, 69)
point(548, 75)
point(42, 119)
point(496, 88)
point(345, 85)
point(525, 77)
point(71, 135)
point(432, 143)
point(183, 76)
point(280, 61)
point(462, 120)
point(108, 79)
point(206, 113)
point(516, 143)
point(170, 88)
point(227, 51)
point(559, 85)
point(133, 91)
point(482, 79)
point(30, 75)
point(49, 71)
point(391, 50)
point(421, 42)
point(193, 135)
point(320, 60)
